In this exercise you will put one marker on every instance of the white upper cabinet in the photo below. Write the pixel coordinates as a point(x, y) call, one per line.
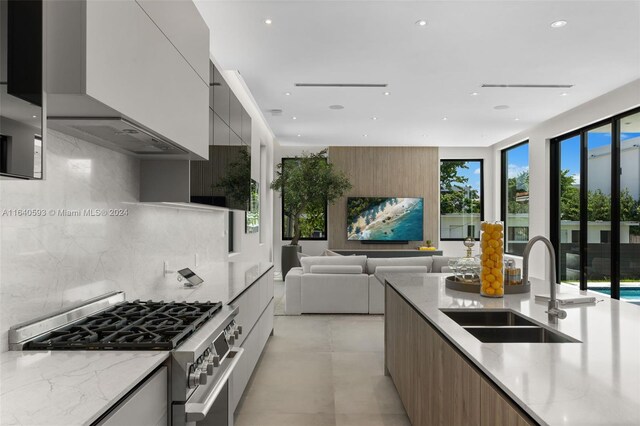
point(145, 61)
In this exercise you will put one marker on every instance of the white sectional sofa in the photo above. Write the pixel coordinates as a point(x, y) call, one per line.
point(348, 284)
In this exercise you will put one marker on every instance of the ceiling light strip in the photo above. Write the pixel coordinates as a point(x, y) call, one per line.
point(339, 85)
point(529, 86)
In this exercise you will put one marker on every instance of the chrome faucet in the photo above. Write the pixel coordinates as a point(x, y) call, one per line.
point(554, 312)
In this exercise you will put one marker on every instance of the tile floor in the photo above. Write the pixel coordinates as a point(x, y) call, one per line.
point(320, 370)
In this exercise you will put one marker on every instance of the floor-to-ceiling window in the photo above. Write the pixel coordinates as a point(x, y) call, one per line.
point(461, 199)
point(595, 206)
point(515, 197)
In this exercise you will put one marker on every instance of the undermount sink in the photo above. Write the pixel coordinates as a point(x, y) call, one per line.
point(487, 318)
point(503, 326)
point(518, 335)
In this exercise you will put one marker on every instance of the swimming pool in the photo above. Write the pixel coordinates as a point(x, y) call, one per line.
point(628, 293)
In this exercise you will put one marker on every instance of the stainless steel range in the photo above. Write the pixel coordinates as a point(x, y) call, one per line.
point(200, 336)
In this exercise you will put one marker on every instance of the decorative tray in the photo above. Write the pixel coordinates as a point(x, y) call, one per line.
point(474, 287)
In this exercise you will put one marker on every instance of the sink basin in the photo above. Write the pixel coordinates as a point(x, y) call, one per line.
point(518, 335)
point(487, 318)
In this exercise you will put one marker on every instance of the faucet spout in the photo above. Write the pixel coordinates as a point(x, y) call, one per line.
point(554, 312)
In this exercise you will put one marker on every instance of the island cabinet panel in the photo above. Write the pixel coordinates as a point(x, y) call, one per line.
point(436, 384)
point(498, 410)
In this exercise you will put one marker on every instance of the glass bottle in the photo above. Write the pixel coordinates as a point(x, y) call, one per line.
point(492, 246)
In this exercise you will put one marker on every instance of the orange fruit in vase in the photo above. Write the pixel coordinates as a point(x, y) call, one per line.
point(489, 263)
point(499, 291)
point(494, 257)
point(499, 277)
point(496, 235)
point(490, 278)
point(489, 250)
point(490, 291)
point(496, 285)
point(494, 243)
point(483, 226)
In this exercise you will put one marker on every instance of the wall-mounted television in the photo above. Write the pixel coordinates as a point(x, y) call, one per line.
point(383, 219)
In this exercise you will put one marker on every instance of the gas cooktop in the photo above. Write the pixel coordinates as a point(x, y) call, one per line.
point(133, 325)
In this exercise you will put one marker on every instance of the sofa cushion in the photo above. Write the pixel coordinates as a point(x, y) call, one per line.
point(307, 262)
point(330, 253)
point(301, 255)
point(373, 263)
point(383, 271)
point(439, 262)
point(336, 269)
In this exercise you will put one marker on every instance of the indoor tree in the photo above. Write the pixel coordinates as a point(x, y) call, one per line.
point(309, 184)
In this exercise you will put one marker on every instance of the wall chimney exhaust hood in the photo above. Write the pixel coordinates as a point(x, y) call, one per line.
point(118, 134)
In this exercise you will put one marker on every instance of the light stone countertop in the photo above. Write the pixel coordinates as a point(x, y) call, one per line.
point(68, 387)
point(77, 387)
point(223, 281)
point(596, 382)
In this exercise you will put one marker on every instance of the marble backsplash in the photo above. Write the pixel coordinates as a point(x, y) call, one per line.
point(50, 261)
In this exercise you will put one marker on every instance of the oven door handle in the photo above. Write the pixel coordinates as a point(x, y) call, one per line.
point(197, 411)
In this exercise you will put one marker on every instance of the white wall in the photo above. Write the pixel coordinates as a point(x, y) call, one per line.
point(455, 248)
point(622, 99)
point(313, 248)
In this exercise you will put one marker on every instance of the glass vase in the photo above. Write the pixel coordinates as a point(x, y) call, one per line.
point(492, 246)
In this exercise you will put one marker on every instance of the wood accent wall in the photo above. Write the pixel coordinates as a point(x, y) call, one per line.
point(386, 172)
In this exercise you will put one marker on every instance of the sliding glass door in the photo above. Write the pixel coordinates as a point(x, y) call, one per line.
point(595, 200)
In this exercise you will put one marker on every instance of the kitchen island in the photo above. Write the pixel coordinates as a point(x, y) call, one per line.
point(445, 375)
point(80, 387)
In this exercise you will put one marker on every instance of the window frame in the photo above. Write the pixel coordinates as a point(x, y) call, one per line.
point(614, 241)
point(479, 160)
point(282, 215)
point(504, 175)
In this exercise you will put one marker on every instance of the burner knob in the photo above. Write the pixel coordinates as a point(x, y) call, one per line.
point(239, 328)
point(214, 362)
point(236, 333)
point(197, 378)
point(231, 339)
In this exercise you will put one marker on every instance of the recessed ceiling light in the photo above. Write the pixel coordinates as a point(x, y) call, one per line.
point(501, 107)
point(268, 21)
point(374, 118)
point(421, 23)
point(474, 93)
point(35, 116)
point(365, 135)
point(299, 135)
point(516, 119)
point(563, 94)
point(336, 107)
point(294, 118)
point(387, 93)
point(558, 24)
point(287, 93)
point(444, 118)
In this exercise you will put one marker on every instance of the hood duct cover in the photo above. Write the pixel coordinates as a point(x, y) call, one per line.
point(116, 133)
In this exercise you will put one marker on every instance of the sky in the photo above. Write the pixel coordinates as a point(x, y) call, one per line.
point(570, 151)
point(518, 159)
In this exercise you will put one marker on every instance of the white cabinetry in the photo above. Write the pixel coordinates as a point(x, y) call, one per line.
point(111, 59)
point(145, 406)
point(256, 317)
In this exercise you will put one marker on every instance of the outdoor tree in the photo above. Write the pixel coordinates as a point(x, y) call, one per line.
point(456, 195)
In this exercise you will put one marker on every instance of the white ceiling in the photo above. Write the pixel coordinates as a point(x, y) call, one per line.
point(431, 70)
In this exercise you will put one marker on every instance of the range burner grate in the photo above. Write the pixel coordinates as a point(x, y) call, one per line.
point(133, 325)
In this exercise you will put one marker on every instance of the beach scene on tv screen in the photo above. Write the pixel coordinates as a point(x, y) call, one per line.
point(384, 219)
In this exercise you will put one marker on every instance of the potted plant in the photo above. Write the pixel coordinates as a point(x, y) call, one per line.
point(310, 183)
